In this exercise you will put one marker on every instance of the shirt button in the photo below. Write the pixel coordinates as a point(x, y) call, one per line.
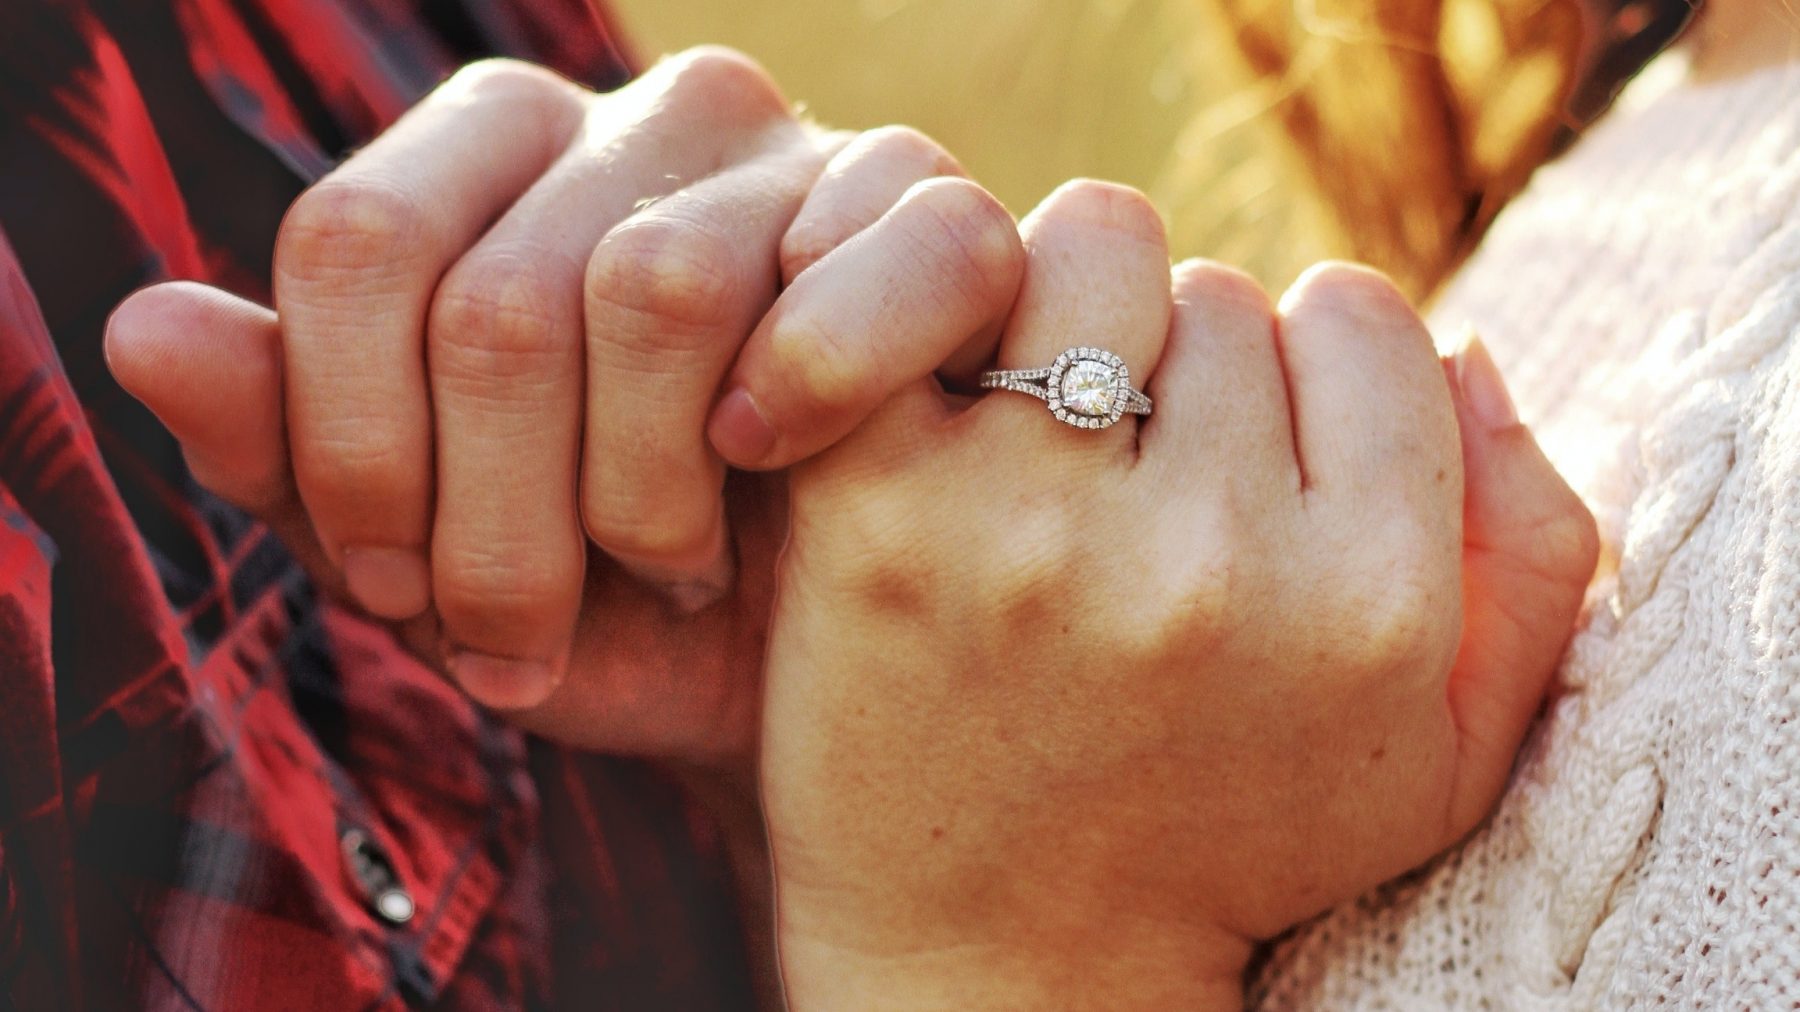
point(394, 905)
point(373, 873)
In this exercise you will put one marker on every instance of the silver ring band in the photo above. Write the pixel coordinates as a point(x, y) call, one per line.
point(1088, 388)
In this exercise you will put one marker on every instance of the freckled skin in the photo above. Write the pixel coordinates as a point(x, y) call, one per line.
point(1170, 704)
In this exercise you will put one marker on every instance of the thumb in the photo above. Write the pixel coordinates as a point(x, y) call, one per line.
point(208, 365)
point(1529, 550)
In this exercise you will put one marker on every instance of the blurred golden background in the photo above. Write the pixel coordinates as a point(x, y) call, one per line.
point(1271, 133)
point(1027, 94)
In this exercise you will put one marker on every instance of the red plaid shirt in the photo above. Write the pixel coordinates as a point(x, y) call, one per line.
point(216, 790)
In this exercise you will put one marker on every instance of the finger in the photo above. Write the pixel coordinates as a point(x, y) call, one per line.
point(507, 553)
point(208, 365)
point(1096, 275)
point(1372, 425)
point(1529, 550)
point(862, 183)
point(671, 294)
point(507, 363)
point(884, 310)
point(355, 265)
point(1221, 400)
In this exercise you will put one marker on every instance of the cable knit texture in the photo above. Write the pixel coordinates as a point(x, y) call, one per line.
point(1643, 297)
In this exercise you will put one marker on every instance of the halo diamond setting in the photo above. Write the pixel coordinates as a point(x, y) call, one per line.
point(1089, 388)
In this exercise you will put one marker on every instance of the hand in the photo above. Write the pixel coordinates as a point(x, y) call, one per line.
point(1065, 718)
point(502, 327)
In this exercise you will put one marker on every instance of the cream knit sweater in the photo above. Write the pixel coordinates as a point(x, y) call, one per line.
point(1643, 297)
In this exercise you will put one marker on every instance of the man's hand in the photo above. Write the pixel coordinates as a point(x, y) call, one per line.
point(1068, 718)
point(500, 332)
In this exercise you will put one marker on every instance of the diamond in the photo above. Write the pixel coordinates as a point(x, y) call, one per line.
point(1087, 388)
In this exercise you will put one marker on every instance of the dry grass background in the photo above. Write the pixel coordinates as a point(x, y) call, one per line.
point(1029, 93)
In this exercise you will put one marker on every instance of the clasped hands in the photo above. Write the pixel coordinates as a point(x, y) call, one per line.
point(1045, 717)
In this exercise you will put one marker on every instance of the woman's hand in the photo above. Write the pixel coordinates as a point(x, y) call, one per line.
point(500, 332)
point(1061, 718)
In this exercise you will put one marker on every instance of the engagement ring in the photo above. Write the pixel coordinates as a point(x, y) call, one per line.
point(1085, 387)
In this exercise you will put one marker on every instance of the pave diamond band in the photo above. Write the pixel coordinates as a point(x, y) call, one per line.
point(1088, 388)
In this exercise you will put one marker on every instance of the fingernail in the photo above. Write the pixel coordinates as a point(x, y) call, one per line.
point(504, 683)
point(705, 590)
point(693, 597)
point(739, 431)
point(690, 590)
point(392, 583)
point(1483, 388)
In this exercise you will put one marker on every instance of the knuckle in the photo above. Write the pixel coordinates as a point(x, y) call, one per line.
point(1353, 290)
point(720, 78)
point(1112, 205)
point(807, 348)
point(1191, 625)
point(894, 590)
point(1211, 283)
point(1029, 590)
point(974, 233)
point(1201, 612)
point(908, 148)
point(1564, 545)
point(1583, 538)
point(493, 577)
point(349, 455)
point(1028, 604)
point(508, 81)
point(1394, 624)
point(344, 227)
point(664, 270)
point(500, 319)
point(812, 240)
point(872, 554)
point(818, 360)
point(1041, 542)
point(1196, 604)
point(900, 150)
point(629, 529)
